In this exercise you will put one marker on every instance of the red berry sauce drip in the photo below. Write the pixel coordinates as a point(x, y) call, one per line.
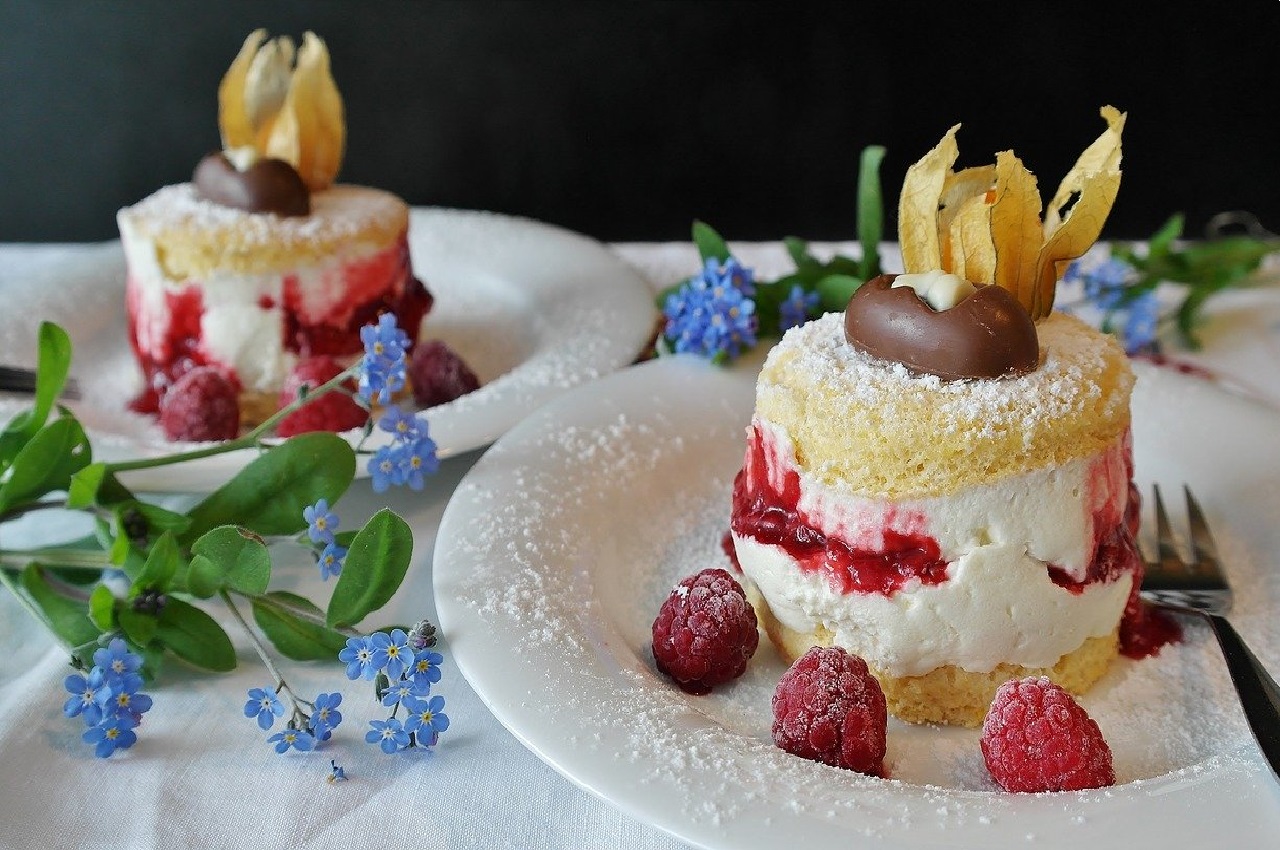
point(179, 349)
point(382, 283)
point(773, 517)
point(1144, 629)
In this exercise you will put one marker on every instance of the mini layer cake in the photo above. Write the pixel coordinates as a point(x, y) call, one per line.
point(939, 480)
point(261, 261)
point(252, 292)
point(954, 534)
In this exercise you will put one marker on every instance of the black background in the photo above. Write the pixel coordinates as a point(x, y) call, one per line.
point(627, 120)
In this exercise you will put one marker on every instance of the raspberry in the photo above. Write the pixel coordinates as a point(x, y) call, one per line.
point(829, 708)
point(333, 411)
point(1036, 737)
point(705, 632)
point(202, 405)
point(438, 374)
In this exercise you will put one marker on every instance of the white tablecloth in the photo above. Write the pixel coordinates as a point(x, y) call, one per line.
point(202, 775)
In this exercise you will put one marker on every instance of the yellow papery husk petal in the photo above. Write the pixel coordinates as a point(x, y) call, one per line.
point(1016, 229)
point(956, 189)
point(311, 132)
point(266, 86)
point(1093, 182)
point(918, 205)
point(974, 252)
point(233, 117)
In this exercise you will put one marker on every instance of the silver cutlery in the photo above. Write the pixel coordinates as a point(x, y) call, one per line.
point(15, 379)
point(1199, 587)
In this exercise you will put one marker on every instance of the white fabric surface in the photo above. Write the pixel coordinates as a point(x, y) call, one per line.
point(203, 775)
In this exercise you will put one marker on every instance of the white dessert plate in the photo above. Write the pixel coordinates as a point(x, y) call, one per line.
point(560, 544)
point(534, 309)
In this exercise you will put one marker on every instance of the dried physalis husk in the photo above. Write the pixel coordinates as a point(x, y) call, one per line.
point(973, 254)
point(984, 223)
point(284, 107)
point(959, 187)
point(1070, 228)
point(1016, 231)
point(918, 205)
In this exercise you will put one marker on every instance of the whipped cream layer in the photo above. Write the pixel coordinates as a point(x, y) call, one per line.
point(1020, 570)
point(256, 324)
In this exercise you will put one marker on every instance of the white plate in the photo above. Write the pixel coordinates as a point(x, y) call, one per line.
point(533, 309)
point(558, 547)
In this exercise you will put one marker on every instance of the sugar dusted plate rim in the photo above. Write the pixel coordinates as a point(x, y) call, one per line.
point(545, 586)
point(539, 308)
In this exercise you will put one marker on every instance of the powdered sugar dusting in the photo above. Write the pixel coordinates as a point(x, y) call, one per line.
point(336, 213)
point(1073, 356)
point(566, 538)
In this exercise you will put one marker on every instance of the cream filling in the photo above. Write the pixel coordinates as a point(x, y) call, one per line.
point(236, 330)
point(998, 605)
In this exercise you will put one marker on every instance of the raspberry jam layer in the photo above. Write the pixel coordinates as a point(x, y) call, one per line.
point(772, 515)
point(317, 311)
point(370, 286)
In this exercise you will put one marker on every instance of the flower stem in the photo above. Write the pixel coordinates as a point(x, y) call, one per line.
point(73, 559)
point(248, 441)
point(295, 704)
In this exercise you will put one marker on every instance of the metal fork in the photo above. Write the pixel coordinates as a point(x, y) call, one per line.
point(14, 379)
point(1199, 587)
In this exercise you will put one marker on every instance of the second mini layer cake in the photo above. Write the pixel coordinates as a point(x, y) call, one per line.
point(251, 292)
point(954, 534)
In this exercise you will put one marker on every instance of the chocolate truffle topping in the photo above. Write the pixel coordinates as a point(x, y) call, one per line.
point(985, 335)
point(266, 186)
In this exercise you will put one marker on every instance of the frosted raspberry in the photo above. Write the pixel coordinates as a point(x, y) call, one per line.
point(705, 632)
point(333, 411)
point(438, 374)
point(202, 405)
point(829, 708)
point(1036, 737)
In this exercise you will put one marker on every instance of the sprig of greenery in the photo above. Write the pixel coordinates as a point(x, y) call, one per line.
point(835, 279)
point(1202, 268)
point(173, 562)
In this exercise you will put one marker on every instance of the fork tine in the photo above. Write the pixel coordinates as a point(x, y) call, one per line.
point(1167, 552)
point(1202, 545)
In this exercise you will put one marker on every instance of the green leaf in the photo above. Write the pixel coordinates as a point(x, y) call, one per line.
point(798, 249)
point(269, 495)
point(122, 552)
point(870, 211)
point(162, 562)
point(165, 520)
point(54, 360)
point(66, 617)
point(711, 246)
point(138, 627)
point(83, 492)
point(94, 485)
point(769, 297)
point(46, 462)
point(373, 570)
point(283, 618)
point(1159, 244)
point(54, 363)
point(102, 608)
point(835, 290)
point(194, 636)
point(229, 558)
